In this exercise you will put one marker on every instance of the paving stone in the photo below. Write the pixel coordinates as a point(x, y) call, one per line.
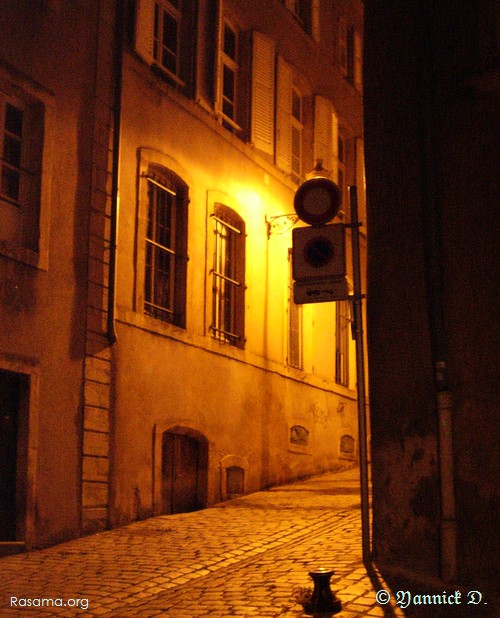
point(239, 558)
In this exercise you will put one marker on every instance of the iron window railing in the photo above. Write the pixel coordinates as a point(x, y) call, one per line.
point(228, 278)
point(160, 252)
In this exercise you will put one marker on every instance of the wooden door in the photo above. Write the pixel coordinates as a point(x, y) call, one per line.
point(10, 389)
point(180, 469)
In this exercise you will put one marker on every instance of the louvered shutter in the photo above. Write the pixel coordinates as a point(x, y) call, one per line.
point(323, 112)
point(335, 146)
point(342, 45)
point(144, 29)
point(358, 60)
point(360, 179)
point(284, 117)
point(315, 20)
point(263, 93)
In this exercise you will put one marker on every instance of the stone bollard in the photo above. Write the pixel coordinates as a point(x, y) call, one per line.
point(323, 599)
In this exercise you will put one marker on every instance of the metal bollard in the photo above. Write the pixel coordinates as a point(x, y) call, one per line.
point(323, 599)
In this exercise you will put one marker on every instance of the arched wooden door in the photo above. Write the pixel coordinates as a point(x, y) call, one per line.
point(180, 473)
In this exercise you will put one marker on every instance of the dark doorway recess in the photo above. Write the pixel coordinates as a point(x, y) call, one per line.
point(184, 467)
point(11, 396)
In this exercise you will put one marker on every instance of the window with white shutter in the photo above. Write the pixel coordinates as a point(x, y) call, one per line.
point(323, 114)
point(284, 116)
point(262, 101)
point(144, 29)
point(297, 130)
point(326, 131)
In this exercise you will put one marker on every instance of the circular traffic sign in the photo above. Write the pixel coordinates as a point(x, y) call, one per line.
point(317, 201)
point(319, 251)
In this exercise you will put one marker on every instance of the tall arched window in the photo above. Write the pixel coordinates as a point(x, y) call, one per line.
point(166, 246)
point(228, 277)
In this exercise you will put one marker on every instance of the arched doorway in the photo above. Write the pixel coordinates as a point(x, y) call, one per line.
point(184, 462)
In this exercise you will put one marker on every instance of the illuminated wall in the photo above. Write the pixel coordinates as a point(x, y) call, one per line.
point(273, 420)
point(195, 130)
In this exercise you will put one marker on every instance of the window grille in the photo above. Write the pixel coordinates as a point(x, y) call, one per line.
point(166, 247)
point(228, 277)
point(294, 324)
point(160, 252)
point(342, 337)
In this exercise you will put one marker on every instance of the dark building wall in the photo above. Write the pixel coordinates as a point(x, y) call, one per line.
point(431, 131)
point(48, 57)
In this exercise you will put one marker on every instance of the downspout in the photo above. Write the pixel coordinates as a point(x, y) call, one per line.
point(115, 167)
point(432, 238)
point(443, 398)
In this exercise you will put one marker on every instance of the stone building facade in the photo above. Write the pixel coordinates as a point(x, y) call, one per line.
point(431, 119)
point(151, 357)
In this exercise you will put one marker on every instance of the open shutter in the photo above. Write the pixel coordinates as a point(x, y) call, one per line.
point(360, 179)
point(323, 114)
point(219, 33)
point(263, 93)
point(358, 60)
point(342, 45)
point(284, 116)
point(335, 146)
point(315, 19)
point(144, 29)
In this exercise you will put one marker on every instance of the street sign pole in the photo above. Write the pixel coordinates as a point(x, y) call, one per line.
point(318, 268)
point(357, 299)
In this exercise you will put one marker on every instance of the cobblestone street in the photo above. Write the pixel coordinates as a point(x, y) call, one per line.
point(239, 558)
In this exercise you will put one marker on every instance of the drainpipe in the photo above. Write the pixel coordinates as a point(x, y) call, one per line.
point(432, 238)
point(115, 167)
point(443, 398)
point(442, 393)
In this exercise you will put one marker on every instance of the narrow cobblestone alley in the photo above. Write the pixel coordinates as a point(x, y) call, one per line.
point(239, 558)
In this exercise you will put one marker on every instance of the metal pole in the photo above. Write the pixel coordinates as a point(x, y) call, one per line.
point(357, 300)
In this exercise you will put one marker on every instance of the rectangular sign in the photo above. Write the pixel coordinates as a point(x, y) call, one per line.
point(318, 251)
point(320, 291)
